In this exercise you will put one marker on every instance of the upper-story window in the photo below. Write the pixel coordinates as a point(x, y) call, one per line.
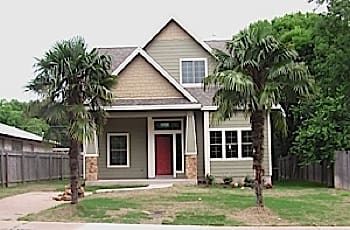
point(193, 71)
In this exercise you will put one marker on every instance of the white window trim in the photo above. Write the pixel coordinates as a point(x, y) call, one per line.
point(223, 144)
point(193, 59)
point(127, 150)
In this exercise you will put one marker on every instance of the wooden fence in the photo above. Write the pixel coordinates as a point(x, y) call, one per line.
point(337, 177)
point(342, 170)
point(22, 167)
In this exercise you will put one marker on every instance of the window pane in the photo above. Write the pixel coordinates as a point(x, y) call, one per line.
point(215, 151)
point(247, 145)
point(187, 72)
point(215, 144)
point(167, 125)
point(246, 136)
point(199, 71)
point(193, 71)
point(178, 152)
point(231, 151)
point(215, 137)
point(247, 150)
point(118, 150)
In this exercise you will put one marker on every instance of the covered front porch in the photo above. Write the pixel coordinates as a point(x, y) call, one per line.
point(145, 147)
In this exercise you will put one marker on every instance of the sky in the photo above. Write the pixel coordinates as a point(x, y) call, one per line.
point(29, 28)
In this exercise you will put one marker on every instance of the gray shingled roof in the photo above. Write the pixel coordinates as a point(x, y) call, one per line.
point(217, 44)
point(117, 54)
point(165, 101)
point(203, 97)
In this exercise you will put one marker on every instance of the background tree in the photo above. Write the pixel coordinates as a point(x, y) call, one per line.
point(257, 73)
point(14, 113)
point(74, 82)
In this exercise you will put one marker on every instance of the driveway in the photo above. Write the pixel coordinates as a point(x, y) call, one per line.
point(21, 205)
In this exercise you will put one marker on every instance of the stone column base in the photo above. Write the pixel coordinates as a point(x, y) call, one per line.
point(91, 168)
point(191, 166)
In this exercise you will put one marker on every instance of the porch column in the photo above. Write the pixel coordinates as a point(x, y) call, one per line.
point(90, 158)
point(190, 147)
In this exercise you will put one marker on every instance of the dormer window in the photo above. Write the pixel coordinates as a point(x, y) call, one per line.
point(193, 71)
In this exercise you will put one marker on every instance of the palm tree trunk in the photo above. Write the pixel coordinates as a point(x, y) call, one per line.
point(74, 169)
point(257, 120)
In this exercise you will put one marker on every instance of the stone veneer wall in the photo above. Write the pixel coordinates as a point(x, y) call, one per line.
point(91, 168)
point(191, 166)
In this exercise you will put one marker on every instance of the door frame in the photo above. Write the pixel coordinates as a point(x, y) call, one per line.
point(173, 133)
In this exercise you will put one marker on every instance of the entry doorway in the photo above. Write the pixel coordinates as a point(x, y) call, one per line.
point(164, 154)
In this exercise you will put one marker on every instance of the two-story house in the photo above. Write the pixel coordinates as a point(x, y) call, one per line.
point(159, 124)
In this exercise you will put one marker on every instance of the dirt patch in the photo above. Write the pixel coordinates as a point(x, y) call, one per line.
point(258, 216)
point(118, 213)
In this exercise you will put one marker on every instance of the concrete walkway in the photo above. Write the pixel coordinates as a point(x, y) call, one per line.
point(151, 186)
point(13, 225)
point(17, 206)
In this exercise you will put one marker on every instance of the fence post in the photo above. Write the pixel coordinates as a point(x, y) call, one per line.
point(22, 167)
point(6, 169)
point(50, 162)
point(62, 176)
point(37, 167)
point(1, 169)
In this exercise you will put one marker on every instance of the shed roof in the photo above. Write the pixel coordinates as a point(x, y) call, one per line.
point(18, 133)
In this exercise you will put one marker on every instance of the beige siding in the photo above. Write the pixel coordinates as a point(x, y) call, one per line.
point(137, 129)
point(236, 169)
point(200, 144)
point(140, 80)
point(238, 119)
point(239, 168)
point(171, 45)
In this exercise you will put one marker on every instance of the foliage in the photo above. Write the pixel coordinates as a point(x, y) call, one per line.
point(227, 180)
point(248, 182)
point(210, 179)
point(324, 130)
point(324, 121)
point(74, 85)
point(15, 113)
point(256, 73)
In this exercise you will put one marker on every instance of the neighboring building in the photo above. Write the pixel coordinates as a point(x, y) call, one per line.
point(17, 140)
point(159, 124)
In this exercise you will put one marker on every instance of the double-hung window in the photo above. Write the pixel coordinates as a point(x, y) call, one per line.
point(193, 71)
point(231, 144)
point(118, 150)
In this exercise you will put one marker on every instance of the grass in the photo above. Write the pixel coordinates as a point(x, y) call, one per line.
point(288, 203)
point(20, 188)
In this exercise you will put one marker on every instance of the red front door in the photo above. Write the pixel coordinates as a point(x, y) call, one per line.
point(164, 154)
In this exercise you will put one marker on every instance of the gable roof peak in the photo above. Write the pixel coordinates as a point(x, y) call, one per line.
point(152, 62)
point(178, 23)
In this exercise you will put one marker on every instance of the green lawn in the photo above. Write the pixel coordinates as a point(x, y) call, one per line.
point(286, 204)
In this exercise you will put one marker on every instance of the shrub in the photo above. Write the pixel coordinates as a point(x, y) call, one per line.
point(227, 180)
point(210, 179)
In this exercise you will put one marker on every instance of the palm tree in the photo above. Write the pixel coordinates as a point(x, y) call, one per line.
point(74, 83)
point(256, 73)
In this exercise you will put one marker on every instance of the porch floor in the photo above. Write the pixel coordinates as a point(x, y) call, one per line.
point(142, 181)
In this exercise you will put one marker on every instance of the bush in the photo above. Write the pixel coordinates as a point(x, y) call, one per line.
point(210, 179)
point(227, 180)
point(249, 182)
